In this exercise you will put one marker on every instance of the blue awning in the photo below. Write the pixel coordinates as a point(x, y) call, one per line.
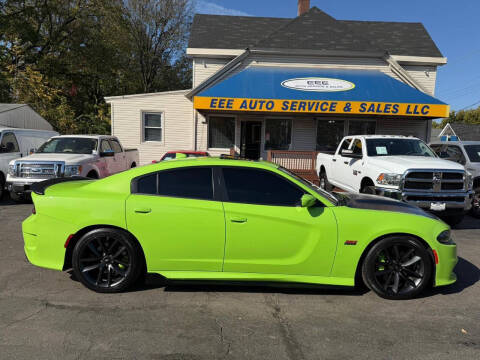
point(320, 91)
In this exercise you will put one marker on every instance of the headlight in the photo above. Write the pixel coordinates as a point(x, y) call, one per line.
point(445, 237)
point(11, 170)
point(73, 170)
point(469, 180)
point(389, 179)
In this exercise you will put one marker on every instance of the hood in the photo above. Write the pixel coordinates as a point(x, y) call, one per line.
point(373, 202)
point(72, 159)
point(399, 164)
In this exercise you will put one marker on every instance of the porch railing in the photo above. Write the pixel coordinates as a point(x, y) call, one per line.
point(302, 163)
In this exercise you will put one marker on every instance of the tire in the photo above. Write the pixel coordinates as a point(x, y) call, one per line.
point(133, 166)
point(18, 198)
point(368, 189)
point(2, 185)
point(324, 184)
point(397, 268)
point(107, 260)
point(453, 220)
point(92, 175)
point(475, 210)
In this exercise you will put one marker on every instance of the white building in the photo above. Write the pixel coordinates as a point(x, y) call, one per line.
point(264, 84)
point(22, 116)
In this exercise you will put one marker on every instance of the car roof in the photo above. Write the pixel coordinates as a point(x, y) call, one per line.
point(185, 152)
point(86, 136)
point(381, 136)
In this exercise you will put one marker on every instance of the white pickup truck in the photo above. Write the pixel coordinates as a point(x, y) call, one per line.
point(92, 156)
point(399, 167)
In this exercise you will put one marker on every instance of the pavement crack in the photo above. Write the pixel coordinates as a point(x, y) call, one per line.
point(223, 342)
point(43, 307)
point(293, 348)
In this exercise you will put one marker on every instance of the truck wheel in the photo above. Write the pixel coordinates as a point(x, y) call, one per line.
point(475, 211)
point(453, 220)
point(368, 190)
point(2, 185)
point(324, 184)
point(397, 268)
point(107, 260)
point(92, 175)
point(18, 198)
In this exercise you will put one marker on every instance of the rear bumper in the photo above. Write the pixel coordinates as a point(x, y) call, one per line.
point(454, 201)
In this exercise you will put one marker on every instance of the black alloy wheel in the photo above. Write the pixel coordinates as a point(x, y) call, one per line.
point(397, 268)
point(475, 211)
point(107, 260)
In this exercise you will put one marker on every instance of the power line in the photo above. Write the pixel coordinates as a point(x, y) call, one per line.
point(469, 106)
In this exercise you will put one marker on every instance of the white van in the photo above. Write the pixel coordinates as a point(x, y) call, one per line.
point(15, 143)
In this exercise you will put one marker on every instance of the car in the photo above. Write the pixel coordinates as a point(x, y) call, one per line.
point(233, 220)
point(93, 156)
point(177, 154)
point(401, 167)
point(15, 143)
point(467, 154)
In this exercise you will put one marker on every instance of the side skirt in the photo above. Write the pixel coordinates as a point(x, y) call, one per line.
point(254, 277)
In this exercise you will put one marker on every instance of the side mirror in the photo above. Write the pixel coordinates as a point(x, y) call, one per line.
point(32, 151)
point(350, 154)
point(107, 153)
point(308, 201)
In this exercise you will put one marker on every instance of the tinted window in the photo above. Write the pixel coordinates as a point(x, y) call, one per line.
point(455, 154)
point(115, 146)
point(473, 152)
point(254, 186)
point(193, 183)
point(9, 143)
point(147, 185)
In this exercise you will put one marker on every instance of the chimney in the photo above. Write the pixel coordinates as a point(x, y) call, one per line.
point(303, 6)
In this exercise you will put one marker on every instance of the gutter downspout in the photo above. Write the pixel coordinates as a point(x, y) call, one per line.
point(398, 70)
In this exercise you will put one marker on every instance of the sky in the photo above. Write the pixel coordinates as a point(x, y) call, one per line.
point(453, 24)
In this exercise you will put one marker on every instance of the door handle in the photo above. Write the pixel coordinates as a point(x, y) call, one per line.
point(143, 210)
point(334, 160)
point(239, 220)
point(345, 162)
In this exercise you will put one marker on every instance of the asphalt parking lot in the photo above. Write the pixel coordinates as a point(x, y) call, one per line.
point(47, 315)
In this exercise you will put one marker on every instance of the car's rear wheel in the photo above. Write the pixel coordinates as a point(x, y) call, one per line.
point(397, 267)
point(475, 211)
point(107, 260)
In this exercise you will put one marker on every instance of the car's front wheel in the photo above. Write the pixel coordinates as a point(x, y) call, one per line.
point(107, 260)
point(397, 267)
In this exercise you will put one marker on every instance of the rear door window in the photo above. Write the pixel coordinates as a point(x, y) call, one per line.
point(261, 187)
point(9, 143)
point(189, 183)
point(115, 146)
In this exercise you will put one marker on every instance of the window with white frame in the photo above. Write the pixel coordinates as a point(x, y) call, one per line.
point(152, 126)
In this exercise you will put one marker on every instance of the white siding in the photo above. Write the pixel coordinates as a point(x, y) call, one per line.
point(177, 123)
point(24, 117)
point(399, 126)
point(426, 76)
point(203, 68)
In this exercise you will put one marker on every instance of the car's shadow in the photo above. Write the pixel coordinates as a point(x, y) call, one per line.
point(468, 223)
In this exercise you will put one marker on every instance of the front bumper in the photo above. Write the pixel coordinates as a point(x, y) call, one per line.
point(21, 185)
point(447, 259)
point(454, 201)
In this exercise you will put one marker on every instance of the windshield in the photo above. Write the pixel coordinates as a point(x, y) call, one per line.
point(311, 186)
point(69, 145)
point(395, 147)
point(473, 152)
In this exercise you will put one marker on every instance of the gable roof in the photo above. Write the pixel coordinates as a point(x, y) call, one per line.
point(314, 30)
point(8, 107)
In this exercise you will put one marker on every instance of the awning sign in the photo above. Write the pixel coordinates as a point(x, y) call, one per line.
point(318, 84)
point(321, 107)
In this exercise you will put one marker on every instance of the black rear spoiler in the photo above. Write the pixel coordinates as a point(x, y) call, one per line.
point(40, 187)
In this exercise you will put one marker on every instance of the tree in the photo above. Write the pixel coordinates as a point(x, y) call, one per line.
point(158, 32)
point(471, 116)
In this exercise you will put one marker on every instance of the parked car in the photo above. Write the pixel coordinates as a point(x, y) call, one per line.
point(15, 143)
point(403, 168)
point(92, 156)
point(178, 153)
point(466, 153)
point(234, 220)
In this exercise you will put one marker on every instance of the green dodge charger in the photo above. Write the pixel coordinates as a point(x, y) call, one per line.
point(233, 220)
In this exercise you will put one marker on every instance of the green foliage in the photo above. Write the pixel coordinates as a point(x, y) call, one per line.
point(471, 116)
point(64, 56)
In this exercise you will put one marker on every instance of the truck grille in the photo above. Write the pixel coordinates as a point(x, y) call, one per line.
point(39, 170)
point(434, 181)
